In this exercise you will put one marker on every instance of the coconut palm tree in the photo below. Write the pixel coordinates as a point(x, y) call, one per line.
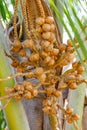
point(13, 109)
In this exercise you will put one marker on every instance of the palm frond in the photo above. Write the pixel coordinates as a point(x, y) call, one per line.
point(2, 121)
point(65, 26)
point(76, 31)
point(75, 24)
point(4, 9)
point(13, 2)
point(81, 4)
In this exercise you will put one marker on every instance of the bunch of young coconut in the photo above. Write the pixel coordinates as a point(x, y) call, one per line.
point(42, 57)
point(45, 57)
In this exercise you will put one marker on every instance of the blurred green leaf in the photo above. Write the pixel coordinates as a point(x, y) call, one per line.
point(2, 10)
point(60, 18)
point(13, 2)
point(75, 24)
point(2, 121)
point(76, 32)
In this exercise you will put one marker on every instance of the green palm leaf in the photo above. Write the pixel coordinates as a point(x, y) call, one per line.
point(2, 10)
point(76, 32)
point(71, 11)
point(13, 2)
point(65, 26)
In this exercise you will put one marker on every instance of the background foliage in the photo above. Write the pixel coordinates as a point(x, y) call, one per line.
point(2, 121)
point(6, 7)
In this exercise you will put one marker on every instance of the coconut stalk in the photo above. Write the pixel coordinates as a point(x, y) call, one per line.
point(14, 112)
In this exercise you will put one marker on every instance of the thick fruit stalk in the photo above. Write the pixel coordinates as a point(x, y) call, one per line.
point(15, 115)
